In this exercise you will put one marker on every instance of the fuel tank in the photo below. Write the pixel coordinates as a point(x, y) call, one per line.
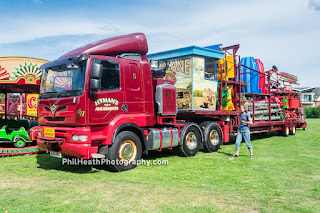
point(169, 136)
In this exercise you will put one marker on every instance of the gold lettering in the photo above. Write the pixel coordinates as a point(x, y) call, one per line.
point(180, 65)
point(187, 66)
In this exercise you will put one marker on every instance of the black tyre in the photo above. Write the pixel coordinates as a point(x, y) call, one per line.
point(212, 133)
point(293, 130)
point(286, 132)
point(125, 151)
point(19, 143)
point(191, 141)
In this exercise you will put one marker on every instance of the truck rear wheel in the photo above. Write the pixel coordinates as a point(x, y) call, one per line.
point(286, 132)
point(293, 130)
point(212, 136)
point(191, 140)
point(125, 151)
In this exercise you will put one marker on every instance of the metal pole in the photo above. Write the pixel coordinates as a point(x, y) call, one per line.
point(269, 89)
point(239, 90)
point(20, 105)
point(253, 100)
point(5, 107)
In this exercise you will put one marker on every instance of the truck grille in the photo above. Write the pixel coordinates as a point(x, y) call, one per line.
point(55, 119)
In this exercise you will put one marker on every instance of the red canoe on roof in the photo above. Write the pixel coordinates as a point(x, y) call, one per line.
point(262, 80)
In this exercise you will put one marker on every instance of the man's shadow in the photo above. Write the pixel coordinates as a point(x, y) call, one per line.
point(232, 140)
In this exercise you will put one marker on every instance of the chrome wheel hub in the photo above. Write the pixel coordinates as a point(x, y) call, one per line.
point(191, 140)
point(127, 151)
point(214, 137)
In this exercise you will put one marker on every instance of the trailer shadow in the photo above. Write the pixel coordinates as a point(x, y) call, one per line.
point(153, 155)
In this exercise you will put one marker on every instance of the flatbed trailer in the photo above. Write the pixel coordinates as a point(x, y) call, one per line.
point(110, 100)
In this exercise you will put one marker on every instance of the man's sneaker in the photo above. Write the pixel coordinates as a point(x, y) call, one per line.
point(233, 156)
point(251, 156)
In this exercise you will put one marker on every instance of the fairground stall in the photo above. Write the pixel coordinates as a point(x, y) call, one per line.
point(19, 88)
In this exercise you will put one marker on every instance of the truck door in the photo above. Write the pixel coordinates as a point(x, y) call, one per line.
point(107, 103)
point(133, 87)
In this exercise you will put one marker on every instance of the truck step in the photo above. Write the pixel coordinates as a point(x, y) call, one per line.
point(97, 155)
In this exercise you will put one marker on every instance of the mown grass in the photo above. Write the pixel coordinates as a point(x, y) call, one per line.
point(284, 176)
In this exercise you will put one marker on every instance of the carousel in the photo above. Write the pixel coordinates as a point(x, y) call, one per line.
point(19, 91)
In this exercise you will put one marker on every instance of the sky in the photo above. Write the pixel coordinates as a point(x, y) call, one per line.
point(285, 33)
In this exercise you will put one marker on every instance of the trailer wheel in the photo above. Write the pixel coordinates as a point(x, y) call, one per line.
point(286, 132)
point(191, 141)
point(293, 130)
point(19, 143)
point(125, 151)
point(212, 136)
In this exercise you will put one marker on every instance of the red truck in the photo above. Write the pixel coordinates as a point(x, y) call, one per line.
point(104, 100)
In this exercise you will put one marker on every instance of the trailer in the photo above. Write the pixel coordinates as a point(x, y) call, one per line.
point(108, 99)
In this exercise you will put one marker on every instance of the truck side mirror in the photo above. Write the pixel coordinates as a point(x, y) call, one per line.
point(96, 71)
point(95, 78)
point(95, 84)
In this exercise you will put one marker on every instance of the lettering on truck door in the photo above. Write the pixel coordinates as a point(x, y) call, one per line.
point(108, 102)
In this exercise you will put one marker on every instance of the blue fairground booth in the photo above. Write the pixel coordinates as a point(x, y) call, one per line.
point(194, 71)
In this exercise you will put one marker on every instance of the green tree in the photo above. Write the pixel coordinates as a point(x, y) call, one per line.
point(189, 87)
point(312, 112)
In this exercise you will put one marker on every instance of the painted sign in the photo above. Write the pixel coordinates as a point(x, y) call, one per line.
point(108, 104)
point(204, 90)
point(32, 100)
point(179, 71)
point(20, 70)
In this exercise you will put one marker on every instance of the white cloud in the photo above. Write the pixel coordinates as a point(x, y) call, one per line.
point(30, 28)
point(37, 1)
point(314, 4)
point(281, 32)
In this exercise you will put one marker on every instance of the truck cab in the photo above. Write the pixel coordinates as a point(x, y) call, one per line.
point(92, 92)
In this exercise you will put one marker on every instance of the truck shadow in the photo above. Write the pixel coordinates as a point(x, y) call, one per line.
point(46, 162)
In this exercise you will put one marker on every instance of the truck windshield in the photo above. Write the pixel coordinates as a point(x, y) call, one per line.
point(63, 83)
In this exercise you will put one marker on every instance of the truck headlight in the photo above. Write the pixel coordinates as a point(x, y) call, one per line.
point(79, 137)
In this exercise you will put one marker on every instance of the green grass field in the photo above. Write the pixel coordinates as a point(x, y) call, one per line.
point(284, 176)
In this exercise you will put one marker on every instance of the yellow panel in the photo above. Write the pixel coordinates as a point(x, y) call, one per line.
point(221, 67)
point(230, 66)
point(230, 106)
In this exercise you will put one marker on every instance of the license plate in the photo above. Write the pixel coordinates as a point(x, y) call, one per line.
point(49, 132)
point(55, 154)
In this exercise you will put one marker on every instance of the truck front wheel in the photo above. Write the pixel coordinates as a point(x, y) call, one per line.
point(125, 151)
point(190, 142)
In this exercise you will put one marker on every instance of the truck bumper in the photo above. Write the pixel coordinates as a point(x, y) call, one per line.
point(62, 142)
